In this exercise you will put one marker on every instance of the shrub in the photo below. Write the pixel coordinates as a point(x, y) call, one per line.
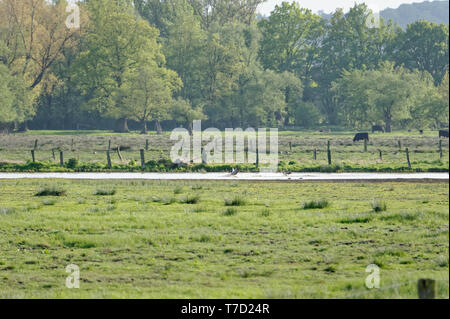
point(379, 206)
point(316, 204)
point(51, 191)
point(72, 163)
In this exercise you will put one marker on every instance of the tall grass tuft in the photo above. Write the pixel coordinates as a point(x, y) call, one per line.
point(191, 199)
point(51, 191)
point(6, 211)
point(316, 204)
point(237, 201)
point(178, 190)
point(379, 206)
point(105, 192)
point(230, 212)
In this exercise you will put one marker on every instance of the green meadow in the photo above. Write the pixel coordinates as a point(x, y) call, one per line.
point(160, 239)
point(86, 151)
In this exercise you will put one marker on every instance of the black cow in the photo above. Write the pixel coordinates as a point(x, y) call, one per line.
point(377, 128)
point(361, 137)
point(443, 133)
point(421, 132)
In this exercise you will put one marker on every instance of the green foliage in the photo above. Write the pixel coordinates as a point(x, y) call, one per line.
point(119, 52)
point(387, 95)
point(72, 163)
point(175, 61)
point(424, 46)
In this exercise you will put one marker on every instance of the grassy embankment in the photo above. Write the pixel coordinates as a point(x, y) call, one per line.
point(142, 239)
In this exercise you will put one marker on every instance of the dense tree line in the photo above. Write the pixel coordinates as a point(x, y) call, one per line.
point(170, 62)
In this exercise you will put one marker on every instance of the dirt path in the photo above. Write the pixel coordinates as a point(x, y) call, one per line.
point(338, 177)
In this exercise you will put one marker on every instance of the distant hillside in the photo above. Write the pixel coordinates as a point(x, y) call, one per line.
point(436, 11)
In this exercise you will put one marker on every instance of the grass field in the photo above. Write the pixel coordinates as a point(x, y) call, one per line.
point(142, 239)
point(295, 150)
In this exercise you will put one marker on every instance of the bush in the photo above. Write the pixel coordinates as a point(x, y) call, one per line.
point(51, 191)
point(72, 163)
point(316, 204)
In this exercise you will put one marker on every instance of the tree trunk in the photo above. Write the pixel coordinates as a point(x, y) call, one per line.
point(158, 128)
point(144, 128)
point(122, 126)
point(23, 127)
point(388, 125)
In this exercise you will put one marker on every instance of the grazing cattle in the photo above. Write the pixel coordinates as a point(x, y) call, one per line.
point(377, 128)
point(443, 133)
point(361, 137)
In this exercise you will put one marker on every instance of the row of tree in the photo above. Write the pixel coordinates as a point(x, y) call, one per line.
point(170, 62)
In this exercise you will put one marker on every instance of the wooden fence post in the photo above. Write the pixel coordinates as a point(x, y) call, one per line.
point(32, 156)
point(71, 146)
point(426, 288)
point(257, 157)
point(381, 155)
point(440, 149)
point(290, 146)
point(108, 158)
point(399, 145)
point(407, 158)
point(365, 145)
point(119, 154)
point(204, 157)
point(315, 154)
point(53, 154)
point(109, 145)
point(35, 144)
point(142, 159)
point(146, 144)
point(61, 158)
point(329, 152)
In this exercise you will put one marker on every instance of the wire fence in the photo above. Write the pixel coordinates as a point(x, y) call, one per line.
point(394, 286)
